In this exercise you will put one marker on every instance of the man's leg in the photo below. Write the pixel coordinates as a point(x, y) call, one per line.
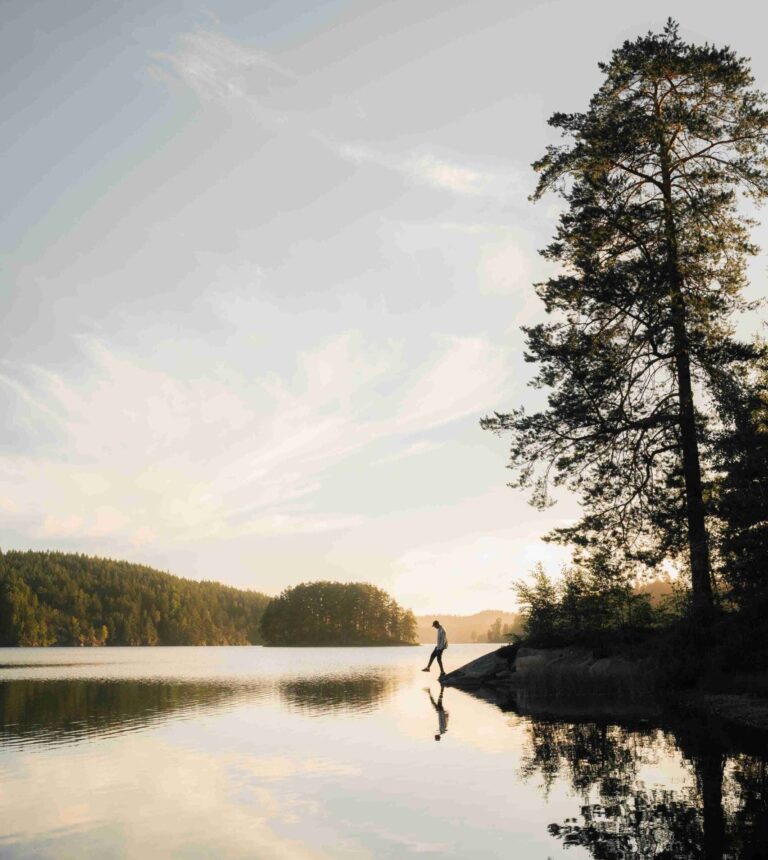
point(432, 656)
point(439, 655)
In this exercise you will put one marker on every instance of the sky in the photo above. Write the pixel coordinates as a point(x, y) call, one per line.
point(263, 269)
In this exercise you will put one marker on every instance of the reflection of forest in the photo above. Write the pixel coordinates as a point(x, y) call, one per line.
point(337, 692)
point(56, 711)
point(721, 812)
point(73, 709)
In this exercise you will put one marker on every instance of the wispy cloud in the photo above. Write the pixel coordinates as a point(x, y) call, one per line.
point(466, 373)
point(226, 72)
point(450, 176)
point(505, 268)
point(145, 454)
point(427, 168)
point(232, 806)
point(221, 70)
point(414, 450)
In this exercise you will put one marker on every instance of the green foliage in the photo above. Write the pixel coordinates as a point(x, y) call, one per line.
point(652, 252)
point(499, 632)
point(739, 640)
point(740, 494)
point(590, 605)
point(336, 613)
point(52, 598)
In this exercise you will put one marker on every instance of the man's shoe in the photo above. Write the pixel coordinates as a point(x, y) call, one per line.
point(425, 670)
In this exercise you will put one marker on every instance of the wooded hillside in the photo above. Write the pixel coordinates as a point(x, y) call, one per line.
point(54, 598)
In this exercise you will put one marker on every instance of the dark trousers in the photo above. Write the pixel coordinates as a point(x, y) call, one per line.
point(437, 654)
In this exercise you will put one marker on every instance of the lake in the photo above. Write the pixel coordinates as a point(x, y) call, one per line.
point(349, 752)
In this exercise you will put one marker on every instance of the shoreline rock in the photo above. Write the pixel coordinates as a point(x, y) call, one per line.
point(574, 681)
point(515, 666)
point(496, 667)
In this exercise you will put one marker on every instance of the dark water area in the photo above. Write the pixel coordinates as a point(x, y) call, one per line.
point(294, 753)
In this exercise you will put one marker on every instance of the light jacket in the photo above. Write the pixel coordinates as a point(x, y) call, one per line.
point(442, 639)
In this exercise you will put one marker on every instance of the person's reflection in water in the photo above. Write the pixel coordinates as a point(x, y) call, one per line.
point(442, 714)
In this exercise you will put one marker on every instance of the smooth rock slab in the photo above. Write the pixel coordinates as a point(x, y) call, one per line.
point(498, 666)
point(569, 669)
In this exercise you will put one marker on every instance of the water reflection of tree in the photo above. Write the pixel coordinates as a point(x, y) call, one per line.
point(648, 824)
point(73, 709)
point(590, 754)
point(330, 693)
point(52, 711)
point(722, 813)
point(749, 781)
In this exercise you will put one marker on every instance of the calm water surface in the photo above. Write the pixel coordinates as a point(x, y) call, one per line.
point(299, 753)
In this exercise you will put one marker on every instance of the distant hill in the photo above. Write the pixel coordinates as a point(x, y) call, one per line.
point(476, 628)
point(469, 628)
point(55, 598)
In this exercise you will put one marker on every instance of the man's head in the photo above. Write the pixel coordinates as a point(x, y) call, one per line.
point(435, 623)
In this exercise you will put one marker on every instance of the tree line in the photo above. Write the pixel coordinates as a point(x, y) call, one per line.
point(656, 414)
point(336, 613)
point(497, 632)
point(53, 598)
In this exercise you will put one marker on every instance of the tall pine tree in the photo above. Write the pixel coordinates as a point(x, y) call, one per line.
point(652, 249)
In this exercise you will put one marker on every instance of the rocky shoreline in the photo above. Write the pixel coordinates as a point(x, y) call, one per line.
point(574, 680)
point(512, 666)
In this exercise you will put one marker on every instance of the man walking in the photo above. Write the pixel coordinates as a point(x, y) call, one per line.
point(442, 644)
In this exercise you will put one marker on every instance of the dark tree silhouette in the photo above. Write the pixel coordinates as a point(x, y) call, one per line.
point(653, 251)
point(741, 492)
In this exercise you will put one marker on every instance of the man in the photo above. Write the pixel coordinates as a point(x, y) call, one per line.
point(442, 644)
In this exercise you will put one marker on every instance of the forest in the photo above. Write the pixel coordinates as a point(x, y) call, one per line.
point(336, 613)
point(654, 404)
point(54, 598)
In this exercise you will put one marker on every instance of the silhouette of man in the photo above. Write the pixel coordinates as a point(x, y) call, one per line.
point(442, 714)
point(437, 654)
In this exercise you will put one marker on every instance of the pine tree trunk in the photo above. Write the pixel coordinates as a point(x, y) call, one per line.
point(698, 542)
point(709, 771)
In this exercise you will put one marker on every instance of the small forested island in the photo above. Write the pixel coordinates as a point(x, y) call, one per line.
point(55, 598)
point(336, 613)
